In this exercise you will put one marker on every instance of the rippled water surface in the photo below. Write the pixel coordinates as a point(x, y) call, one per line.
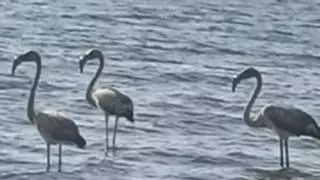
point(176, 60)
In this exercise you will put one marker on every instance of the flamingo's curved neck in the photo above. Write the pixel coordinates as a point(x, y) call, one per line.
point(246, 116)
point(30, 107)
point(93, 81)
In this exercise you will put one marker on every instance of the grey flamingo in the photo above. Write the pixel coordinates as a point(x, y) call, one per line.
point(53, 127)
point(109, 100)
point(285, 121)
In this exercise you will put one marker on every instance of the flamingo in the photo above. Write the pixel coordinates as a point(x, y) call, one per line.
point(53, 127)
point(285, 121)
point(109, 100)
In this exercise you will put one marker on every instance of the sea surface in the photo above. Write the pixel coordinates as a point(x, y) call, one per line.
point(176, 60)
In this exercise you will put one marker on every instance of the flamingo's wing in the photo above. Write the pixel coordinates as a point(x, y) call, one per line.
point(292, 120)
point(58, 127)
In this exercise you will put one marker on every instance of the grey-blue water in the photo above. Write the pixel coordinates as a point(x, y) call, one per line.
point(176, 60)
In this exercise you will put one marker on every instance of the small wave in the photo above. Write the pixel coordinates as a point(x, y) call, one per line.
point(232, 51)
point(152, 59)
point(286, 173)
point(242, 155)
point(221, 161)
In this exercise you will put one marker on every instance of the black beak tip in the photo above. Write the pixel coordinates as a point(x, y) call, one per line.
point(234, 84)
point(12, 72)
point(81, 64)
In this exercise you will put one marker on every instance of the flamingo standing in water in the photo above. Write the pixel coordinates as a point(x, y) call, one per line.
point(109, 100)
point(285, 121)
point(53, 127)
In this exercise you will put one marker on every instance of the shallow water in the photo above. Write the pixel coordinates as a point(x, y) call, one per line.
point(176, 61)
